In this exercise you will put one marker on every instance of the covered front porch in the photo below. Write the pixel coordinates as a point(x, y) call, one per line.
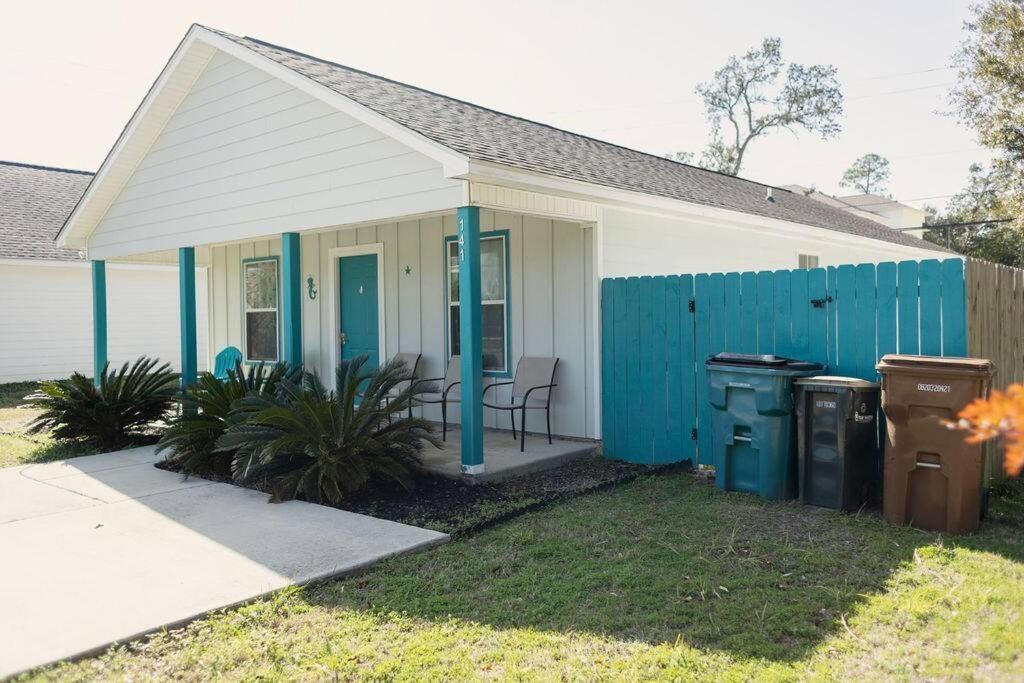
point(507, 284)
point(502, 457)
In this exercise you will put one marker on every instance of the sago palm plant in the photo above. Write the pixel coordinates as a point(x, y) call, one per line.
point(109, 416)
point(320, 445)
point(191, 436)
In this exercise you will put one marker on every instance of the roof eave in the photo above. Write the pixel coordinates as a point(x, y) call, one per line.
point(490, 172)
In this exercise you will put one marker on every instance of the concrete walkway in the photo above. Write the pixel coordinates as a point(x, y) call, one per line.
point(104, 548)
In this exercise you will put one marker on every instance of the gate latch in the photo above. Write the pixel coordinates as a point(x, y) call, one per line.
point(820, 303)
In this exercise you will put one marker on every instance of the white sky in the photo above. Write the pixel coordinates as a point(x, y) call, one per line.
point(72, 73)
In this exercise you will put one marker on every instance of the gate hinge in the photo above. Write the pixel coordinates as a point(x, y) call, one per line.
point(693, 305)
point(693, 434)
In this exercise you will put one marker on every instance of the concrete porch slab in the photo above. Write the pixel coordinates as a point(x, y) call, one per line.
point(106, 548)
point(502, 459)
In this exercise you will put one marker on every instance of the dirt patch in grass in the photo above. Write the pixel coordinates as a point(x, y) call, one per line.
point(457, 507)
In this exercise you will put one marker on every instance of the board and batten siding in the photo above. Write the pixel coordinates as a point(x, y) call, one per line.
point(550, 302)
point(642, 244)
point(246, 154)
point(47, 314)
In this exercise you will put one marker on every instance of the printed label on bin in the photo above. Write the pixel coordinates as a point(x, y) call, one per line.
point(935, 388)
point(825, 404)
point(863, 419)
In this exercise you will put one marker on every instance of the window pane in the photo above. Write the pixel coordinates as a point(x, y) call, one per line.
point(261, 284)
point(261, 335)
point(494, 336)
point(453, 329)
point(453, 286)
point(453, 254)
point(492, 269)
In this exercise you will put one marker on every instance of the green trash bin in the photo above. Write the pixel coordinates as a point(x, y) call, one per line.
point(752, 421)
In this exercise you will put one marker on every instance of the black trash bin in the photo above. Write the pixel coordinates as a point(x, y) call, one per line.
point(837, 440)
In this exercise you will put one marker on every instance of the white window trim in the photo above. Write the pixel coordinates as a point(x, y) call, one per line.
point(277, 311)
point(333, 255)
point(449, 269)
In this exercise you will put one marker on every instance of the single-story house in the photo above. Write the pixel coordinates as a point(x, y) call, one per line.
point(338, 212)
point(46, 307)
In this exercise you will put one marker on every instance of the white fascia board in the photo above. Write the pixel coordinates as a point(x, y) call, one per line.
point(126, 134)
point(482, 171)
point(115, 265)
point(454, 164)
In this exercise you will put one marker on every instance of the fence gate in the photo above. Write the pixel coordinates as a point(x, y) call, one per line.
point(656, 333)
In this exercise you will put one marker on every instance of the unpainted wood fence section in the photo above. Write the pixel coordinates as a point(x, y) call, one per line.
point(995, 323)
point(656, 333)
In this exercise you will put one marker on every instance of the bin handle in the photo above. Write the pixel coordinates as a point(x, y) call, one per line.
point(738, 437)
point(932, 465)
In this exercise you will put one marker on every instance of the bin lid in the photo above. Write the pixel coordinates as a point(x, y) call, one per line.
point(908, 363)
point(836, 380)
point(765, 361)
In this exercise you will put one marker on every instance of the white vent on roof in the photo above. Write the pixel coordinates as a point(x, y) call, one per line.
point(769, 197)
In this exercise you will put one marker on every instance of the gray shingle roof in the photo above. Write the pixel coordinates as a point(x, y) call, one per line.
point(486, 135)
point(34, 203)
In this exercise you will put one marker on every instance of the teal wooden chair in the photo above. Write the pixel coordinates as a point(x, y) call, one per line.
point(227, 359)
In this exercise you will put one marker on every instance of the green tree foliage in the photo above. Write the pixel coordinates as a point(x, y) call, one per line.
point(114, 415)
point(744, 101)
point(868, 174)
point(989, 97)
point(981, 200)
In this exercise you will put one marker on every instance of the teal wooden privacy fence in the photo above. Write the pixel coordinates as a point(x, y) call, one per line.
point(656, 333)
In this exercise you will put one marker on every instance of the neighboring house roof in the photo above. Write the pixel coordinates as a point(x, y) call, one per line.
point(34, 203)
point(487, 135)
point(885, 210)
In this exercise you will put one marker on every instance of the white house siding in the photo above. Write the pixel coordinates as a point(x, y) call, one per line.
point(47, 318)
point(550, 301)
point(247, 154)
point(641, 244)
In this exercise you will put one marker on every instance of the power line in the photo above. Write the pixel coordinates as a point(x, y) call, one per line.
point(64, 84)
point(663, 103)
point(848, 99)
point(72, 63)
point(959, 225)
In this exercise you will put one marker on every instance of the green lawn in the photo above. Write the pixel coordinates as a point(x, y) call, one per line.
point(18, 448)
point(664, 577)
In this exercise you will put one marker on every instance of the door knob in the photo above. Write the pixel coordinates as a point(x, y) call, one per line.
point(343, 338)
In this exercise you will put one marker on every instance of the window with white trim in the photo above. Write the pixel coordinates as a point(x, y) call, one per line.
point(260, 287)
point(494, 299)
point(807, 261)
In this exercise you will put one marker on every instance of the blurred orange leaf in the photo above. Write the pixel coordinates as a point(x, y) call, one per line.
point(1001, 414)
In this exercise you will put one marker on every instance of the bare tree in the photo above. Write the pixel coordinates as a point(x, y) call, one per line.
point(867, 174)
point(737, 99)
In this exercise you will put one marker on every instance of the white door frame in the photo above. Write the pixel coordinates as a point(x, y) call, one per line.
point(333, 256)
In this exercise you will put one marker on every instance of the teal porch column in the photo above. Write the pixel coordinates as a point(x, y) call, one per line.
point(187, 313)
point(99, 319)
point(291, 286)
point(471, 340)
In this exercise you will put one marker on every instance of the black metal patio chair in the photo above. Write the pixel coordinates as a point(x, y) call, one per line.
point(531, 390)
point(447, 392)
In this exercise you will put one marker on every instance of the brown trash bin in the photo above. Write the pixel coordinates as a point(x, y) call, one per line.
point(932, 479)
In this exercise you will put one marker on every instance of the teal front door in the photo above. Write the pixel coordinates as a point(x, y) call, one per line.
point(358, 326)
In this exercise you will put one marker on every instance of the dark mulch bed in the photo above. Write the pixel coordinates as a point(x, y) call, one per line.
point(459, 507)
